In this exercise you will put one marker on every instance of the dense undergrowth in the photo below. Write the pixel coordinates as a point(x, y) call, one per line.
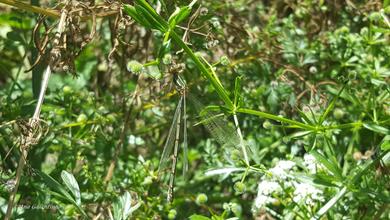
point(288, 106)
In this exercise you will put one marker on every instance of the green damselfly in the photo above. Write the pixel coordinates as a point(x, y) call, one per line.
point(219, 128)
point(179, 123)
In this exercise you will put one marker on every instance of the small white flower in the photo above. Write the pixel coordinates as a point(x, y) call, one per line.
point(286, 164)
point(310, 163)
point(278, 172)
point(262, 200)
point(308, 194)
point(267, 187)
point(281, 169)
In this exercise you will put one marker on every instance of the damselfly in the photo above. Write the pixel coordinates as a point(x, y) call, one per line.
point(179, 122)
point(219, 128)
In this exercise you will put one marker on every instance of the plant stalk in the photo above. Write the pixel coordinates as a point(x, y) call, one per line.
point(34, 121)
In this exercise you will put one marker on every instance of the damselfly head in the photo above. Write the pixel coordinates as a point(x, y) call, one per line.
point(179, 81)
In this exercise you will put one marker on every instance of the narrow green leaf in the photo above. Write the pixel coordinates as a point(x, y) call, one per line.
point(330, 203)
point(72, 185)
point(122, 208)
point(332, 167)
point(385, 144)
point(131, 11)
point(53, 184)
point(304, 117)
point(300, 134)
point(146, 6)
point(330, 106)
point(178, 16)
point(376, 128)
point(151, 20)
point(199, 217)
point(206, 73)
point(237, 91)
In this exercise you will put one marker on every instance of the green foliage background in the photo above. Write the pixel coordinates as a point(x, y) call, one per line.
point(293, 58)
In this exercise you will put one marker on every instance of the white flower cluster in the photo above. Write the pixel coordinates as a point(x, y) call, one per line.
point(310, 162)
point(281, 179)
point(270, 185)
point(282, 169)
point(307, 194)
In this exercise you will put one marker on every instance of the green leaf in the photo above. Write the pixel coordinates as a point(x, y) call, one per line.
point(154, 24)
point(72, 185)
point(330, 106)
point(332, 167)
point(385, 144)
point(376, 128)
point(273, 98)
point(178, 16)
point(122, 208)
point(199, 217)
point(131, 11)
point(53, 184)
point(237, 91)
point(300, 134)
point(304, 117)
point(330, 203)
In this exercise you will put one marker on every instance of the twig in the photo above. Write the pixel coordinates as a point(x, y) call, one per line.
point(34, 121)
point(246, 158)
point(51, 12)
point(31, 8)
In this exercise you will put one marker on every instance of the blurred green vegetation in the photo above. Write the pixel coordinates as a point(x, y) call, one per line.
point(314, 81)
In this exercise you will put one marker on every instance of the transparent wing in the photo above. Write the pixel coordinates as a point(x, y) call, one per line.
point(170, 142)
point(185, 143)
point(217, 125)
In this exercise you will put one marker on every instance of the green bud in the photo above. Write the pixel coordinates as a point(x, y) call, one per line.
point(267, 125)
point(134, 67)
point(364, 31)
point(82, 118)
point(224, 60)
point(172, 214)
point(102, 67)
point(236, 155)
point(338, 113)
point(239, 187)
point(344, 29)
point(67, 90)
point(375, 16)
point(111, 117)
point(226, 206)
point(167, 59)
point(313, 69)
point(201, 199)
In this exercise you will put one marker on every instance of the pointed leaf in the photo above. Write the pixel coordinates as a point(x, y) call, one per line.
point(333, 168)
point(72, 185)
point(199, 217)
point(376, 128)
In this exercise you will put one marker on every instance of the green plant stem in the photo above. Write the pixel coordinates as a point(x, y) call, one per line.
point(345, 126)
point(50, 12)
point(31, 8)
point(277, 118)
point(218, 87)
